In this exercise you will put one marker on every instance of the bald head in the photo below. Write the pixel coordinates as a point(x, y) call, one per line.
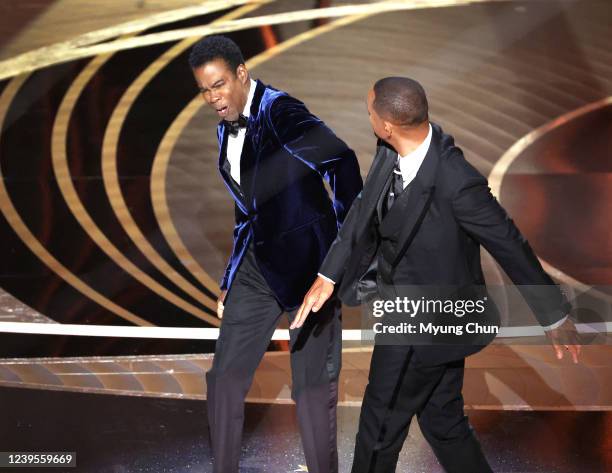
point(401, 101)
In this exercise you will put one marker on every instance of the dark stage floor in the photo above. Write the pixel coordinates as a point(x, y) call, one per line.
point(125, 434)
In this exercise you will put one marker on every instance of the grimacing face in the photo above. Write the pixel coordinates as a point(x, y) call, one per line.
point(224, 90)
point(378, 124)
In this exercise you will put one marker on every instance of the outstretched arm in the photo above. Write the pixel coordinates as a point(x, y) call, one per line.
point(481, 216)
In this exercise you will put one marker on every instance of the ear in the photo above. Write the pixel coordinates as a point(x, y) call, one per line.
point(388, 126)
point(242, 73)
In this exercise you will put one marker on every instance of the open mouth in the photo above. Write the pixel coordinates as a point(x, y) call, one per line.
point(222, 112)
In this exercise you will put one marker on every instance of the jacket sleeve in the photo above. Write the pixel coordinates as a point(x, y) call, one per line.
point(228, 268)
point(225, 278)
point(337, 257)
point(482, 217)
point(308, 139)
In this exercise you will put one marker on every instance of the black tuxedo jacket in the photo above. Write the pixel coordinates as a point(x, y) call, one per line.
point(432, 235)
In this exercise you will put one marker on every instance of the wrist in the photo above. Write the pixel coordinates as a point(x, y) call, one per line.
point(325, 278)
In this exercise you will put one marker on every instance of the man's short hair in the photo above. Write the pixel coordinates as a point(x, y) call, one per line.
point(400, 100)
point(216, 47)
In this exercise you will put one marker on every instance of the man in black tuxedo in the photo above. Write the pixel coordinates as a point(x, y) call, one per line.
point(419, 222)
point(273, 157)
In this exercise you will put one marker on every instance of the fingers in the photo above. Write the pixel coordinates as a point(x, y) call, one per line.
point(220, 308)
point(220, 302)
point(321, 299)
point(575, 351)
point(565, 338)
point(306, 307)
point(318, 294)
point(312, 303)
point(303, 312)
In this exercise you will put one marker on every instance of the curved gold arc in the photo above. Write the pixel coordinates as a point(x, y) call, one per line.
point(111, 175)
point(22, 230)
point(66, 186)
point(503, 165)
point(159, 197)
point(71, 53)
point(31, 60)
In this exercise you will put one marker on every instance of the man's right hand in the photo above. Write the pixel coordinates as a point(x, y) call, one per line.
point(220, 302)
point(319, 292)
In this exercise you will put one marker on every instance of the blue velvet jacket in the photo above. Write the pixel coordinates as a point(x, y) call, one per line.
point(281, 205)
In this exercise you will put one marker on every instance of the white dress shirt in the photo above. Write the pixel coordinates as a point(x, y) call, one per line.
point(411, 163)
point(235, 143)
point(409, 166)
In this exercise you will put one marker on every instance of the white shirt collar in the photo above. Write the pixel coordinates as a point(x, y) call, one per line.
point(235, 143)
point(247, 106)
point(410, 164)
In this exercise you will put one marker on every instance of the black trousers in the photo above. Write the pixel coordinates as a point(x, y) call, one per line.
point(399, 387)
point(250, 317)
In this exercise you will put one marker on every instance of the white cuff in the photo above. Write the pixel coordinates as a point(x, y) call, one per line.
point(326, 278)
point(557, 324)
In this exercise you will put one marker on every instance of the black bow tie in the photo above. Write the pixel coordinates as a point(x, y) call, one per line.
point(235, 125)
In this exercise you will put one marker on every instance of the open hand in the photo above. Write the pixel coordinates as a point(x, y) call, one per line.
point(565, 337)
point(319, 292)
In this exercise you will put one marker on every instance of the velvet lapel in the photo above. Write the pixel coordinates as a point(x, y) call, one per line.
point(249, 156)
point(231, 185)
point(407, 214)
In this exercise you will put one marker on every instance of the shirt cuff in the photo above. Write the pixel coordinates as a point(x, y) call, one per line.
point(557, 324)
point(326, 278)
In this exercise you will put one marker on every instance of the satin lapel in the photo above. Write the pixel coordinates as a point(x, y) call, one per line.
point(413, 222)
point(249, 156)
point(412, 210)
point(227, 178)
point(395, 219)
point(377, 180)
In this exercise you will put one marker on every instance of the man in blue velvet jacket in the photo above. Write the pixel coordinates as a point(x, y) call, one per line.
point(274, 155)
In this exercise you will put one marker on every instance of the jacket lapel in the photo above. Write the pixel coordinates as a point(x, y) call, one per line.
point(395, 217)
point(409, 215)
point(242, 194)
point(378, 178)
point(249, 156)
point(231, 185)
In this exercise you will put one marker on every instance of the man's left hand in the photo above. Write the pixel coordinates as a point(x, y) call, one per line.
point(565, 337)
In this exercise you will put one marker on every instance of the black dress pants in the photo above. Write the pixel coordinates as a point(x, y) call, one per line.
point(400, 387)
point(250, 317)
